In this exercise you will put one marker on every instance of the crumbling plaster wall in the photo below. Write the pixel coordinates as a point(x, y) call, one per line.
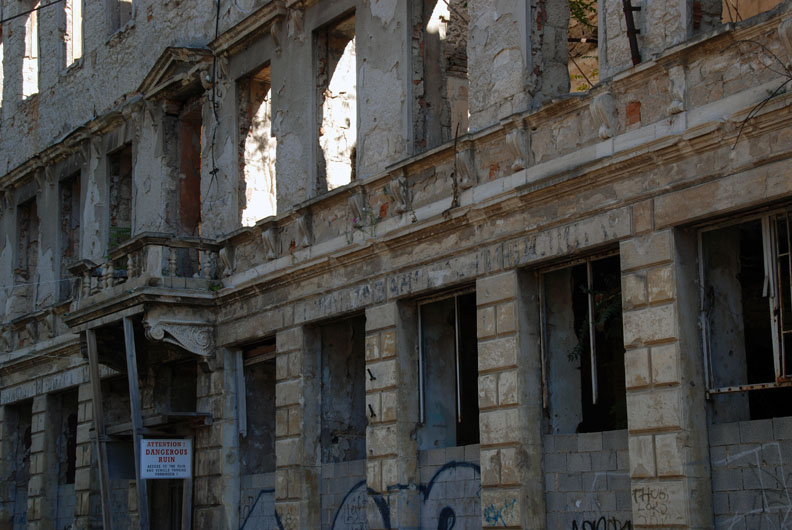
point(110, 71)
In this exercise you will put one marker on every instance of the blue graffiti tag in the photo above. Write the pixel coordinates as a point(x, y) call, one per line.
point(492, 514)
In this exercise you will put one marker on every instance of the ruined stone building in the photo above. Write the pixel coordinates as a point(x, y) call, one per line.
point(395, 264)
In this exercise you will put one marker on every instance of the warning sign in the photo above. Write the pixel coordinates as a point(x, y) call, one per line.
point(165, 458)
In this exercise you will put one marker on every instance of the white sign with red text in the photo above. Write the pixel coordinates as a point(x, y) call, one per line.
point(163, 458)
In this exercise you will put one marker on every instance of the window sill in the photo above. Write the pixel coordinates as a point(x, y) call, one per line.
point(120, 32)
point(76, 65)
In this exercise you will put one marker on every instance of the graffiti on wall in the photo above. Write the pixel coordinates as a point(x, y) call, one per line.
point(443, 507)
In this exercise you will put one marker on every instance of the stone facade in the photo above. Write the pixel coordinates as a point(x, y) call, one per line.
point(475, 299)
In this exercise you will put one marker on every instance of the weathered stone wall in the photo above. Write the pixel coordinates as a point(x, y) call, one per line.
point(587, 478)
point(344, 495)
point(750, 473)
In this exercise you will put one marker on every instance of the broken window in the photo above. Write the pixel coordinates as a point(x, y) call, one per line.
point(746, 316)
point(343, 388)
point(738, 10)
point(257, 444)
point(448, 358)
point(582, 45)
point(72, 31)
point(30, 61)
point(27, 241)
point(336, 104)
point(69, 195)
point(120, 188)
point(257, 148)
point(583, 346)
point(118, 13)
point(65, 426)
point(440, 82)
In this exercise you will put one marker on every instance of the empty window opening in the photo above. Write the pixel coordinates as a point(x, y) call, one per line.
point(257, 148)
point(582, 45)
point(190, 134)
point(257, 443)
point(583, 347)
point(746, 316)
point(19, 429)
point(738, 10)
point(27, 241)
point(118, 13)
point(30, 61)
point(72, 31)
point(336, 89)
point(448, 373)
point(343, 409)
point(65, 426)
point(441, 83)
point(120, 188)
point(69, 198)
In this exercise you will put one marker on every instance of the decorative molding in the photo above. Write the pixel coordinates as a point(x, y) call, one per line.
point(676, 87)
point(269, 236)
point(400, 191)
point(603, 110)
point(226, 259)
point(466, 168)
point(47, 325)
point(6, 339)
point(32, 331)
point(517, 140)
point(304, 236)
point(194, 336)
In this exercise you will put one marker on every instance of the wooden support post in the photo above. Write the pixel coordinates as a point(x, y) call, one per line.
point(99, 426)
point(137, 418)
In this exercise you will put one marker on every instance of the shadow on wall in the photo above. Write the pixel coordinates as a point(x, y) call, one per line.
point(440, 513)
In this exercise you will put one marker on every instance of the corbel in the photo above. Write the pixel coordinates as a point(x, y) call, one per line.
point(269, 237)
point(31, 330)
point(465, 167)
point(517, 140)
point(603, 111)
point(304, 235)
point(294, 23)
point(275, 31)
point(47, 325)
point(226, 259)
point(400, 191)
point(785, 35)
point(194, 336)
point(676, 87)
point(357, 205)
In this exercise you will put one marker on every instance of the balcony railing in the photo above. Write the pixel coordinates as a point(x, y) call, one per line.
point(149, 255)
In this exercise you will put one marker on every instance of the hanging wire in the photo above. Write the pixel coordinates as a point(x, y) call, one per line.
point(24, 13)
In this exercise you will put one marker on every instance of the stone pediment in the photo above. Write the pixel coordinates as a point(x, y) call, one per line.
point(177, 73)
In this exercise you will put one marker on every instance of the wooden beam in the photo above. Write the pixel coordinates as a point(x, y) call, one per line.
point(99, 426)
point(137, 419)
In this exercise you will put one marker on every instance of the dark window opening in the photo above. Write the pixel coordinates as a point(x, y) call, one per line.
point(449, 373)
point(257, 148)
point(257, 444)
point(66, 438)
point(27, 240)
point(336, 104)
point(343, 387)
point(19, 427)
point(748, 315)
point(120, 188)
point(586, 387)
point(69, 231)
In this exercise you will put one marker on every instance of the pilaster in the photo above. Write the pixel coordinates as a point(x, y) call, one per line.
point(510, 405)
point(42, 486)
point(666, 412)
point(392, 403)
point(297, 430)
point(86, 481)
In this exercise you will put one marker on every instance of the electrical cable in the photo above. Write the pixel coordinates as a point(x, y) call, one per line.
point(22, 14)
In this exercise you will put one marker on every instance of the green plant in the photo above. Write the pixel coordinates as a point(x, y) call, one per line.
point(581, 9)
